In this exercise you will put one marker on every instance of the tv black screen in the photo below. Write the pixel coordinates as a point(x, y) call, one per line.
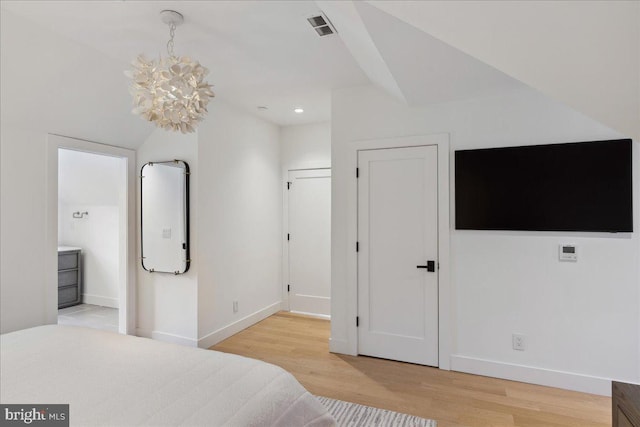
point(584, 186)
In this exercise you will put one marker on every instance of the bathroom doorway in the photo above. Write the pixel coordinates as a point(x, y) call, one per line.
point(92, 198)
point(91, 207)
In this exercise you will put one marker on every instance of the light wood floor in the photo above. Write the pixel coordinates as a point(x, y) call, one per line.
point(300, 345)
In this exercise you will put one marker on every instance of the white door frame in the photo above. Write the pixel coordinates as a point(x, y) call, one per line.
point(127, 238)
point(285, 227)
point(444, 285)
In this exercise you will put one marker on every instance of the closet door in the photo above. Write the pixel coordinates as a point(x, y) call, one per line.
point(398, 254)
point(309, 241)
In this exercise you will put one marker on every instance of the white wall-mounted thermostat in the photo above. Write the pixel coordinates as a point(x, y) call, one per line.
point(568, 253)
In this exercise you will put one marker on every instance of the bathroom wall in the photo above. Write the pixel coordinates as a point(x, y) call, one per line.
point(92, 183)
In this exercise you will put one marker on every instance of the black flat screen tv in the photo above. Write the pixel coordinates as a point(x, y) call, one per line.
point(585, 186)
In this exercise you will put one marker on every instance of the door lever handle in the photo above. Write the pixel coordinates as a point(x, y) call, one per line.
point(431, 266)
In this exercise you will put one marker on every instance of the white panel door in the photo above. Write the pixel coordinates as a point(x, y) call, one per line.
point(397, 237)
point(310, 241)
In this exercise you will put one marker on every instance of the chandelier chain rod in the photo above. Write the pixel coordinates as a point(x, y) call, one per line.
point(172, 34)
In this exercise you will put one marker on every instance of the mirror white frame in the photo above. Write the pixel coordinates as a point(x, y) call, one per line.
point(164, 217)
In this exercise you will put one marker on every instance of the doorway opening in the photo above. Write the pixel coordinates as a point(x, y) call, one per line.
point(90, 233)
point(92, 194)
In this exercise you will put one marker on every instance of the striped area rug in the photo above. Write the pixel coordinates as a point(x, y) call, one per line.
point(349, 414)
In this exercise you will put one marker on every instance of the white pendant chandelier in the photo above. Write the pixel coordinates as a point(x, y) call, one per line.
point(171, 92)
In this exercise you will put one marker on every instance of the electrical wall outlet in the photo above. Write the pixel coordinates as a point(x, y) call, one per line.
point(518, 342)
point(235, 306)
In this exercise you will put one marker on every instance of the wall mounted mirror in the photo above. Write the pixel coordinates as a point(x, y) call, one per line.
point(164, 192)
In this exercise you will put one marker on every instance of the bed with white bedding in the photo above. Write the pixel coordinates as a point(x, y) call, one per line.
point(119, 380)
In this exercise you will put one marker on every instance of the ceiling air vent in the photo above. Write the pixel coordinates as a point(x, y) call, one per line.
point(321, 24)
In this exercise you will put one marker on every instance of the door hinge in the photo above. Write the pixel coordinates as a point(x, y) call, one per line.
point(288, 236)
point(357, 172)
point(357, 321)
point(288, 185)
point(357, 246)
point(288, 288)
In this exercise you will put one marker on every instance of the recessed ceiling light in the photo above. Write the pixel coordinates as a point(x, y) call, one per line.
point(298, 111)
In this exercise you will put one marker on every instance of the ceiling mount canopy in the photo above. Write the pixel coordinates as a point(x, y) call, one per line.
point(171, 17)
point(171, 91)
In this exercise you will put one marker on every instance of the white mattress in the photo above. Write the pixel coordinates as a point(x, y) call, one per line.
point(118, 380)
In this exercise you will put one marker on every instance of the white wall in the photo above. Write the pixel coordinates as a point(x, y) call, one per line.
point(242, 236)
point(23, 221)
point(580, 319)
point(235, 231)
point(240, 233)
point(95, 184)
point(61, 98)
point(27, 116)
point(28, 292)
point(167, 303)
point(306, 146)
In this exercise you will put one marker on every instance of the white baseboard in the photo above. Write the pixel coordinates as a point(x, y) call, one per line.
point(99, 300)
point(316, 315)
point(225, 332)
point(339, 346)
point(533, 375)
point(166, 337)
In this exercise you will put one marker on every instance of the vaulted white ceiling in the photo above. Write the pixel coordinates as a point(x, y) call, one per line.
point(426, 69)
point(584, 53)
point(63, 61)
